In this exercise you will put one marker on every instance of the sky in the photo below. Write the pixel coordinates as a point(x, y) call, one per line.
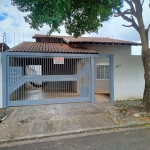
point(17, 30)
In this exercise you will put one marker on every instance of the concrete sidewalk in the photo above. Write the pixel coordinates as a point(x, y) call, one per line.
point(57, 119)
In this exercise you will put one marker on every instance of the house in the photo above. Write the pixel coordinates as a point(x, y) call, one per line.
point(3, 47)
point(72, 70)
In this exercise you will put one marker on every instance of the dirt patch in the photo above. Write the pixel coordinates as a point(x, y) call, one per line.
point(2, 113)
point(128, 113)
point(129, 107)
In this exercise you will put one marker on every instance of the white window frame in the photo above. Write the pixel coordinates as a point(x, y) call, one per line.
point(104, 73)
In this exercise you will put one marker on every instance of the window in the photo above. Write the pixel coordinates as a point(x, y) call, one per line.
point(102, 71)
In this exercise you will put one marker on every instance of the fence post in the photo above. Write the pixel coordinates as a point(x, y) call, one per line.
point(92, 70)
point(4, 80)
point(111, 77)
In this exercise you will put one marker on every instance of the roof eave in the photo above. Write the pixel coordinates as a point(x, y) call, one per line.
point(77, 42)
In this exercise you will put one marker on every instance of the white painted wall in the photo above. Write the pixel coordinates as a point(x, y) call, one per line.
point(0, 80)
point(29, 71)
point(121, 50)
point(128, 77)
point(128, 71)
point(108, 49)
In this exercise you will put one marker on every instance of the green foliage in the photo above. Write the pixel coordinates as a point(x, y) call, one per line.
point(78, 16)
point(51, 125)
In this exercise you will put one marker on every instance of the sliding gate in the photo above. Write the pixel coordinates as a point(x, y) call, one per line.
point(44, 78)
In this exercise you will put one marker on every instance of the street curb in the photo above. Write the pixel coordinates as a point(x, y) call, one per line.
point(75, 132)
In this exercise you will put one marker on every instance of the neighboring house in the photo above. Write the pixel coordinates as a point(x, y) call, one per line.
point(3, 47)
point(128, 74)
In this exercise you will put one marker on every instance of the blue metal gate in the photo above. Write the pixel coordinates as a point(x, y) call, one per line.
point(48, 78)
point(45, 78)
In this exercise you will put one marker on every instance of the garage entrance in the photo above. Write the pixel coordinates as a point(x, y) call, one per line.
point(47, 78)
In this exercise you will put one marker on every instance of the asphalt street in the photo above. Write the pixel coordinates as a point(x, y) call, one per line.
point(136, 139)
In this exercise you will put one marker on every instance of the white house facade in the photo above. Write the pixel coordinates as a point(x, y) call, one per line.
point(75, 77)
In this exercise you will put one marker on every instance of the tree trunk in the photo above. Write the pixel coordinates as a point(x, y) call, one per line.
point(146, 64)
point(146, 60)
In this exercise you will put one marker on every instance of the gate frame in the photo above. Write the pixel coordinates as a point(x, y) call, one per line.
point(5, 74)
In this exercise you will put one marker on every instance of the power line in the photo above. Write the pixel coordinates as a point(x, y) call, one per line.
point(14, 38)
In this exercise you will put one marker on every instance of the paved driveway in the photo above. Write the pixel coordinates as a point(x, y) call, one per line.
point(52, 119)
point(47, 120)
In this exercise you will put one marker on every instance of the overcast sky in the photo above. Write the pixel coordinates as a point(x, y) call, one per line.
point(12, 21)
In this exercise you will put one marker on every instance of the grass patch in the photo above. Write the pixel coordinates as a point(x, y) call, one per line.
point(23, 121)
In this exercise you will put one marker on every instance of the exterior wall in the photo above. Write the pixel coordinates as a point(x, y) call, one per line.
point(128, 77)
point(101, 85)
point(0, 80)
point(108, 49)
point(50, 40)
point(29, 71)
point(128, 71)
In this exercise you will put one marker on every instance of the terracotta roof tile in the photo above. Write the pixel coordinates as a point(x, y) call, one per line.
point(70, 39)
point(49, 48)
point(97, 40)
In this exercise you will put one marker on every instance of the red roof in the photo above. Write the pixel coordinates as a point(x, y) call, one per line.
point(97, 40)
point(104, 40)
point(49, 48)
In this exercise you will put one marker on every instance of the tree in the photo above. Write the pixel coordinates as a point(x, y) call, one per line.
point(80, 16)
point(135, 17)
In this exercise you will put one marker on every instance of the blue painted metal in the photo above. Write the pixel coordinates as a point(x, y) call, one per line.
point(28, 54)
point(84, 91)
point(92, 80)
point(51, 101)
point(4, 81)
point(46, 78)
point(18, 83)
point(7, 90)
point(111, 77)
point(83, 71)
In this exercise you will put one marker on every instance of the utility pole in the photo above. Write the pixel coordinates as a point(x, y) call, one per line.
point(4, 41)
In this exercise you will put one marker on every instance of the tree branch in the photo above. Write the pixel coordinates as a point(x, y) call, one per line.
point(131, 19)
point(126, 12)
point(127, 25)
point(148, 27)
point(131, 8)
point(142, 2)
